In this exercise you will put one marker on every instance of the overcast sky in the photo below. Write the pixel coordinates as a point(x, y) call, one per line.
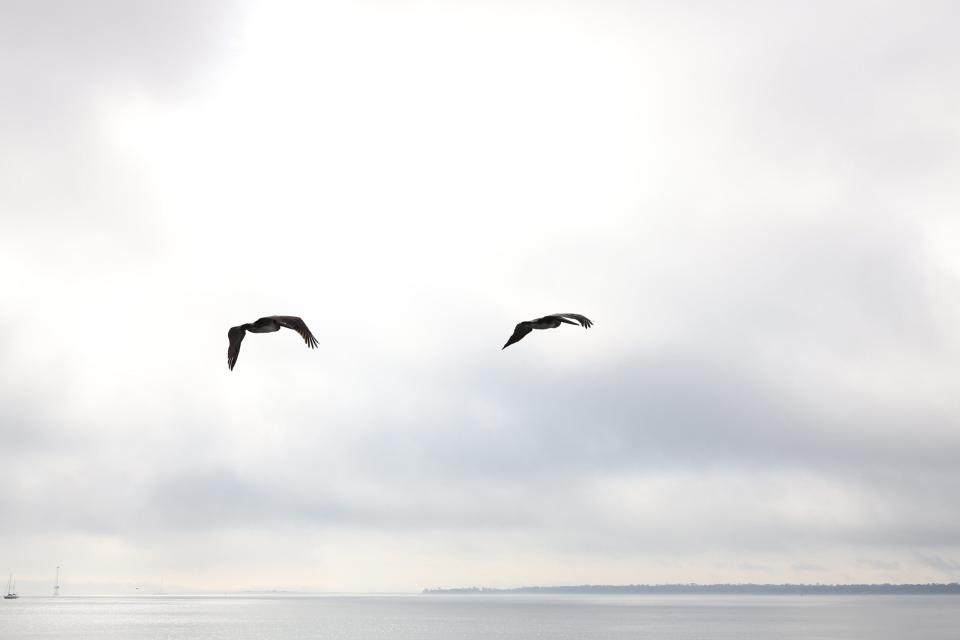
point(757, 204)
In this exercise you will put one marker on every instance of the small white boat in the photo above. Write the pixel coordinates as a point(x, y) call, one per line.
point(11, 589)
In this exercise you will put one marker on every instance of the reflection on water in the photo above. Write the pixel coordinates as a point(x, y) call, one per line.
point(466, 617)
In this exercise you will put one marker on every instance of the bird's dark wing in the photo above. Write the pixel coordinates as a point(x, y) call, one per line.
point(298, 325)
point(233, 351)
point(521, 330)
point(583, 320)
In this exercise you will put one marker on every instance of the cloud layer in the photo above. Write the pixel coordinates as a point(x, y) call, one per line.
point(754, 204)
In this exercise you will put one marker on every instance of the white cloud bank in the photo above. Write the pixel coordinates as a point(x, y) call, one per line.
point(755, 203)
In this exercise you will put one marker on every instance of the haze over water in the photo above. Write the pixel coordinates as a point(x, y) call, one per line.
point(417, 617)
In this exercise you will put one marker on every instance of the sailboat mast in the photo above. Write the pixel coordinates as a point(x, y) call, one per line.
point(56, 583)
point(11, 588)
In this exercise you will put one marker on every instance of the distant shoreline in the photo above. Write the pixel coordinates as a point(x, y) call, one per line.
point(952, 588)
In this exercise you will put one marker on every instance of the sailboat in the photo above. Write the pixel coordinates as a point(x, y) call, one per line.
point(11, 588)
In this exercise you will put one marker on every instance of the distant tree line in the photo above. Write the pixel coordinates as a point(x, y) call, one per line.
point(751, 589)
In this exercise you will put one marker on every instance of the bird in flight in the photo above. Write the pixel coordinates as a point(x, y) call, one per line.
point(266, 325)
point(546, 322)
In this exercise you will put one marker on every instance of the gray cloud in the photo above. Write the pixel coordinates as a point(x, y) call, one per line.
point(879, 565)
point(59, 55)
point(943, 565)
point(62, 63)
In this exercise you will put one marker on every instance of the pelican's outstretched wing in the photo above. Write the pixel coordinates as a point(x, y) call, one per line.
point(519, 331)
point(583, 320)
point(233, 351)
point(298, 325)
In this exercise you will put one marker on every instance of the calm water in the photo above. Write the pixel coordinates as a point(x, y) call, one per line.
point(520, 617)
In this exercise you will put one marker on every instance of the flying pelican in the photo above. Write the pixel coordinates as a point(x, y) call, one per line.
point(546, 322)
point(266, 325)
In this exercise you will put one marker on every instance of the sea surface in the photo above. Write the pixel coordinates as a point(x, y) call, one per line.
point(468, 617)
